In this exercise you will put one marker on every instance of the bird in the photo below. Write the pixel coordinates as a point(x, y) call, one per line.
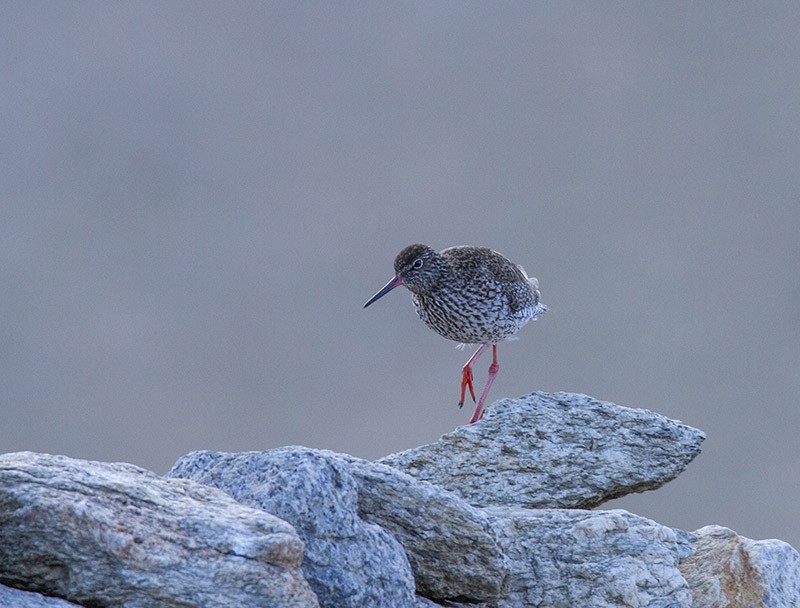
point(472, 295)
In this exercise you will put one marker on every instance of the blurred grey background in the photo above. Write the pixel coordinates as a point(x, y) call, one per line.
point(197, 199)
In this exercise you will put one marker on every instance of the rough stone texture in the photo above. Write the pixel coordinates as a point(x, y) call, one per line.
point(731, 571)
point(16, 598)
point(602, 559)
point(450, 544)
point(116, 535)
point(554, 450)
point(331, 498)
point(348, 562)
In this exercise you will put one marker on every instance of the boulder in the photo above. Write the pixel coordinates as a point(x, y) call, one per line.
point(730, 571)
point(603, 559)
point(348, 562)
point(105, 534)
point(549, 450)
point(450, 544)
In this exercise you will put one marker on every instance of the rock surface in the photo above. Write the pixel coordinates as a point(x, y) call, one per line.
point(554, 450)
point(375, 536)
point(342, 505)
point(450, 544)
point(348, 562)
point(603, 559)
point(16, 598)
point(731, 571)
point(106, 534)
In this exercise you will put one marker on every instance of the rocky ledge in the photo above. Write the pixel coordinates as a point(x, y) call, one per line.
point(492, 515)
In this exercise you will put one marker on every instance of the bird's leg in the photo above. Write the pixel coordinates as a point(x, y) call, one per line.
point(466, 375)
point(493, 369)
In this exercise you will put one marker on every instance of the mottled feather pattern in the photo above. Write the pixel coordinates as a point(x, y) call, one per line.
point(478, 297)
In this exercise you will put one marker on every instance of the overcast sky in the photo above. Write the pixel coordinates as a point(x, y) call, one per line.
point(197, 199)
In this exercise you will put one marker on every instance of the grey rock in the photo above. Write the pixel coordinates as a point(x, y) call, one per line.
point(731, 571)
point(342, 506)
point(17, 598)
point(450, 544)
point(685, 543)
point(603, 559)
point(554, 450)
point(348, 562)
point(106, 534)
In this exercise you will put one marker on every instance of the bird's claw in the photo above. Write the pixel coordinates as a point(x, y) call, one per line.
point(466, 382)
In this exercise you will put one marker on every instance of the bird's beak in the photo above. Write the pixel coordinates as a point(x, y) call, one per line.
point(395, 282)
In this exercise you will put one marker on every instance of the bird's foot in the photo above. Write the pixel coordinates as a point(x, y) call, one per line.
point(466, 381)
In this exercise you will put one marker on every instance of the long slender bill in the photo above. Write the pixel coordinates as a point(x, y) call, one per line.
point(394, 282)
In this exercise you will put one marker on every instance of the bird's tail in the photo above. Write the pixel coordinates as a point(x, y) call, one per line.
point(534, 284)
point(538, 308)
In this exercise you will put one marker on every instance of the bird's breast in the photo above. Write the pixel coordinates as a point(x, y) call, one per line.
point(470, 315)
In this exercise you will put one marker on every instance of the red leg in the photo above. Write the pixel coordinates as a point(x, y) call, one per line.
point(493, 369)
point(466, 375)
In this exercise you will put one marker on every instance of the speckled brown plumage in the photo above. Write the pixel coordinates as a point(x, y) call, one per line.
point(472, 295)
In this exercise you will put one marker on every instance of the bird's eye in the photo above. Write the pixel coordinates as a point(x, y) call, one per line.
point(417, 263)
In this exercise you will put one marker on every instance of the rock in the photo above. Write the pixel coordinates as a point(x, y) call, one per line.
point(116, 535)
point(343, 506)
point(450, 544)
point(554, 450)
point(454, 524)
point(16, 598)
point(348, 562)
point(731, 571)
point(603, 559)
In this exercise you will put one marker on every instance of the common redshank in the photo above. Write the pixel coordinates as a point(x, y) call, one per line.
point(472, 295)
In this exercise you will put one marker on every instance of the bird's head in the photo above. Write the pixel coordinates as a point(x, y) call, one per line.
point(418, 267)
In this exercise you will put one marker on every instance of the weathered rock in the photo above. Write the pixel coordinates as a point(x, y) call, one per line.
point(554, 450)
point(348, 562)
point(16, 598)
point(116, 535)
point(731, 571)
point(450, 544)
point(334, 499)
point(603, 559)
